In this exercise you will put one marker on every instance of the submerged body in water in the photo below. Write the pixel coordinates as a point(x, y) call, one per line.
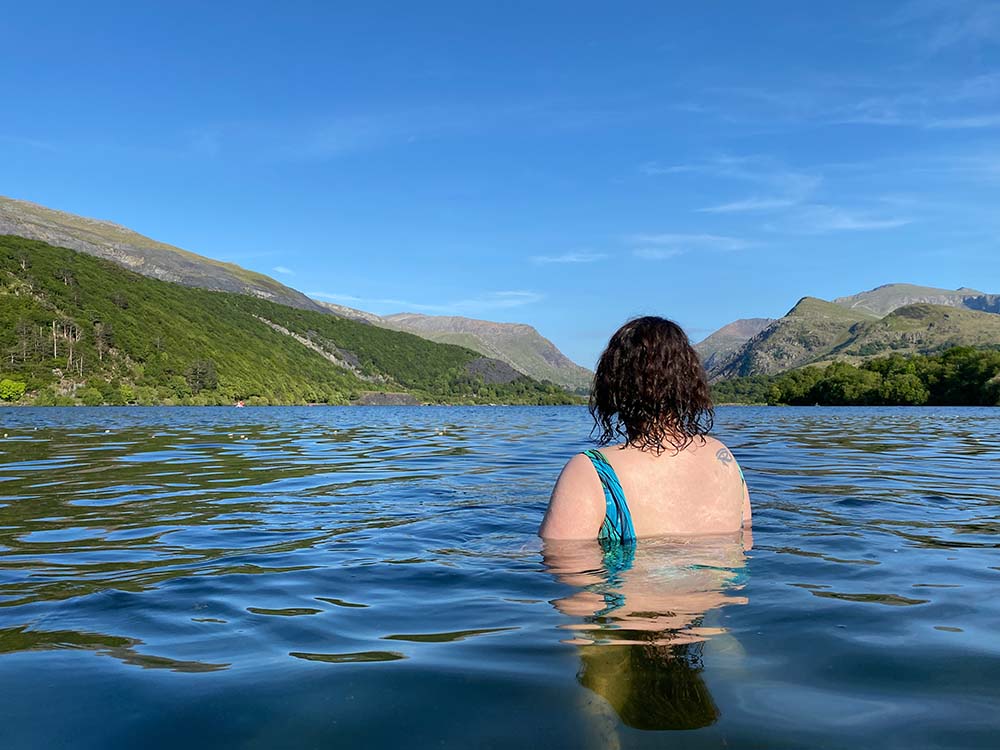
point(638, 618)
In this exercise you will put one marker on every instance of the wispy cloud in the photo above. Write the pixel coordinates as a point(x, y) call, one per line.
point(779, 187)
point(750, 204)
point(657, 253)
point(966, 123)
point(569, 258)
point(29, 142)
point(671, 244)
point(283, 270)
point(820, 219)
point(500, 300)
point(943, 24)
point(685, 242)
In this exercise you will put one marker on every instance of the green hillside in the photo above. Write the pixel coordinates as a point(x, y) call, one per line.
point(74, 327)
point(110, 241)
point(812, 328)
point(819, 332)
point(517, 344)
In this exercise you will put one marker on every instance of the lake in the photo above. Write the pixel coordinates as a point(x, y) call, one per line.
point(370, 577)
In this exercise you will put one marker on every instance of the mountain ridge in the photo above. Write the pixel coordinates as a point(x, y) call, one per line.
point(817, 331)
point(142, 254)
point(519, 345)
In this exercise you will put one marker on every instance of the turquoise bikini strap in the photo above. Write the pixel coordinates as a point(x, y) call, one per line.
point(617, 524)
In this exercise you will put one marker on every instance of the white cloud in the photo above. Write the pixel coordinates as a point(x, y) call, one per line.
point(966, 123)
point(750, 204)
point(657, 253)
point(942, 24)
point(782, 187)
point(819, 219)
point(684, 242)
point(284, 270)
point(569, 258)
point(486, 301)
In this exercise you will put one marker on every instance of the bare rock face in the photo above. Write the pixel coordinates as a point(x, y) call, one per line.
point(141, 254)
point(720, 345)
point(884, 299)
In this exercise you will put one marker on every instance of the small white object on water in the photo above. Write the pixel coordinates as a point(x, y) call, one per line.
point(106, 432)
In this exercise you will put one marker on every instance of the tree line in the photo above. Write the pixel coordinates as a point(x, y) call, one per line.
point(960, 376)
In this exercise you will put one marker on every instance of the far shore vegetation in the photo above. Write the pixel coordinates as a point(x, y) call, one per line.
point(960, 376)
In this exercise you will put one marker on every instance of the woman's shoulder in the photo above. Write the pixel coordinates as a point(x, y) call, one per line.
point(576, 508)
point(709, 448)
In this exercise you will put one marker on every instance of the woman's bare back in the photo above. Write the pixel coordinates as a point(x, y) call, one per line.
point(698, 490)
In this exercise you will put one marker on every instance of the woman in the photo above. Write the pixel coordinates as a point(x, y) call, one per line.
point(664, 475)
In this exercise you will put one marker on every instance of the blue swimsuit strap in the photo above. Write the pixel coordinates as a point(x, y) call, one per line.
point(617, 526)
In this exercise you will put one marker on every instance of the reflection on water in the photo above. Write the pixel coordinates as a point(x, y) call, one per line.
point(638, 620)
point(270, 578)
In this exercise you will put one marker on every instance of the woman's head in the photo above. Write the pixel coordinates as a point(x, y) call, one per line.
point(650, 388)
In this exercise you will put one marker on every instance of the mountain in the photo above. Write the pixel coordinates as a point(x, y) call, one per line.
point(884, 299)
point(727, 340)
point(520, 346)
point(113, 242)
point(812, 327)
point(78, 328)
point(819, 332)
point(517, 344)
point(920, 329)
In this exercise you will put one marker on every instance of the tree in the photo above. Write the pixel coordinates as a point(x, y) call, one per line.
point(201, 376)
point(903, 389)
point(11, 390)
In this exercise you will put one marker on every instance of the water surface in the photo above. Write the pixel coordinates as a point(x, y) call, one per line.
point(327, 577)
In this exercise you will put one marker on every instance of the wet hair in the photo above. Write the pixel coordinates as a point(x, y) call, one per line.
point(650, 388)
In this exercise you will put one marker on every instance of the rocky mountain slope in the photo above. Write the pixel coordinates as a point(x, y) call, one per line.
point(816, 331)
point(884, 299)
point(517, 344)
point(139, 253)
point(727, 340)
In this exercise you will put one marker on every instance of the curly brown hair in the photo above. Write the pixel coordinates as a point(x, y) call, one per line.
point(650, 388)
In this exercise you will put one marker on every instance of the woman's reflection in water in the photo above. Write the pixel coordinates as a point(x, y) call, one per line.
point(639, 621)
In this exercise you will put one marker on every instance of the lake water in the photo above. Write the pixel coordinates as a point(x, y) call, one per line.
point(370, 577)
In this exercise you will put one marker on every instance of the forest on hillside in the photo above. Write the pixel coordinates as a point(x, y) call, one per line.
point(76, 329)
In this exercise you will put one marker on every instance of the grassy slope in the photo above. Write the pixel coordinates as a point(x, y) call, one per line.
point(920, 329)
point(46, 224)
point(521, 346)
point(159, 329)
point(812, 328)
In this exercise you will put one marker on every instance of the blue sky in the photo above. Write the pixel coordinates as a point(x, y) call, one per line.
point(563, 164)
